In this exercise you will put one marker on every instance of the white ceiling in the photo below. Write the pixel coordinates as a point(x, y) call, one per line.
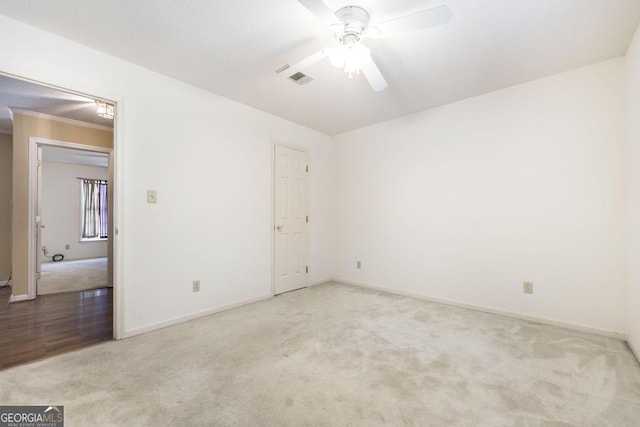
point(233, 47)
point(70, 155)
point(23, 95)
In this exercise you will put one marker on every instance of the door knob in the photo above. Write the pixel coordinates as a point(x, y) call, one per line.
point(279, 227)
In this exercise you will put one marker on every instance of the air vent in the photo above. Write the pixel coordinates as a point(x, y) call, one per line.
point(300, 78)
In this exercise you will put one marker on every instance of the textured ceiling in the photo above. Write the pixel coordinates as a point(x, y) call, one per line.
point(233, 48)
point(16, 93)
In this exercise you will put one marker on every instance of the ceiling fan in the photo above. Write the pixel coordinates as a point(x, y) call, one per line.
point(350, 25)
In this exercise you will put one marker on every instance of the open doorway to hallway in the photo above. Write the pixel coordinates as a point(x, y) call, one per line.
point(56, 221)
point(73, 206)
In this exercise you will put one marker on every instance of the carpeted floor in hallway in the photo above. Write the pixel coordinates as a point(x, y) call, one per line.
point(340, 355)
point(73, 276)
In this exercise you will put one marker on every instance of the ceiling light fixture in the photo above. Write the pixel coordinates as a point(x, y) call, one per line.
point(104, 110)
point(350, 25)
point(350, 54)
point(349, 57)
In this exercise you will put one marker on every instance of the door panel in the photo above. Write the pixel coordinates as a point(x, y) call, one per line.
point(290, 228)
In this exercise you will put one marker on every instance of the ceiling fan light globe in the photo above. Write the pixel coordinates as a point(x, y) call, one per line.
point(351, 65)
point(356, 55)
point(338, 56)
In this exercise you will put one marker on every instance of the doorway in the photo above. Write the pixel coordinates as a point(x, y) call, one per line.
point(36, 117)
point(72, 217)
point(290, 219)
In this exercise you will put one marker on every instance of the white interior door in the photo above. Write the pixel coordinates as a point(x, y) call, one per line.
point(290, 228)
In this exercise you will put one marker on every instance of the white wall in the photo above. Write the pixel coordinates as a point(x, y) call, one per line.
point(61, 210)
point(209, 160)
point(462, 202)
point(633, 116)
point(467, 201)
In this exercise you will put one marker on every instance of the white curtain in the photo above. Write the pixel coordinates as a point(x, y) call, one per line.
point(94, 208)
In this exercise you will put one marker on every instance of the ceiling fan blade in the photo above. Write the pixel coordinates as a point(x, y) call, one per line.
point(426, 19)
point(307, 62)
point(320, 10)
point(372, 74)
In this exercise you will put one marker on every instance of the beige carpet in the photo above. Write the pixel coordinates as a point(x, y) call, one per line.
point(72, 276)
point(336, 355)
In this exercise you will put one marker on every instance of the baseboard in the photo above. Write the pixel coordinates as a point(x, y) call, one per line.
point(319, 282)
point(455, 303)
point(191, 316)
point(16, 298)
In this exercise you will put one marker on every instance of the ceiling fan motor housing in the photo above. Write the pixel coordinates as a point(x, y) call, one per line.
point(355, 20)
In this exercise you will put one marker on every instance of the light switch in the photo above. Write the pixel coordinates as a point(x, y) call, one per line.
point(152, 196)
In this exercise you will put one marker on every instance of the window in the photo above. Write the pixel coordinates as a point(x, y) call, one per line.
point(94, 212)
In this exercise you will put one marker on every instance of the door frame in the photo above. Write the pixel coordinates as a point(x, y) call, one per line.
point(34, 207)
point(114, 162)
point(272, 225)
point(35, 201)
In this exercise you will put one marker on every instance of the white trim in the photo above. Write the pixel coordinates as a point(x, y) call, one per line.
point(72, 145)
point(272, 222)
point(319, 282)
point(61, 119)
point(17, 298)
point(542, 320)
point(301, 148)
point(117, 248)
point(32, 244)
point(272, 225)
point(192, 316)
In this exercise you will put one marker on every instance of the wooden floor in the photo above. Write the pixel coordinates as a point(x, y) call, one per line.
point(53, 324)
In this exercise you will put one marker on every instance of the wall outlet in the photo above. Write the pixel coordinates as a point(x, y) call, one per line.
point(196, 286)
point(67, 247)
point(359, 265)
point(527, 287)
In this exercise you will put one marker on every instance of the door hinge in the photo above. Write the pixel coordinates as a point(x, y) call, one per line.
point(307, 269)
point(307, 219)
point(307, 168)
point(40, 163)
